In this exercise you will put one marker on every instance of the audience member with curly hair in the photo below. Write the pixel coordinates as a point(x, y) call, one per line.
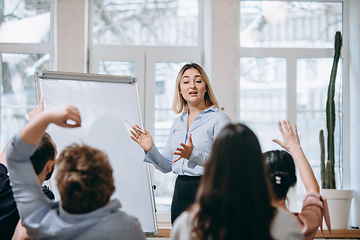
point(85, 183)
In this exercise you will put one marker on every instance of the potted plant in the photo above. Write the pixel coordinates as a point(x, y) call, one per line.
point(339, 201)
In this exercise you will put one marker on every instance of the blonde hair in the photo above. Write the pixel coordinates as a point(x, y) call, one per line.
point(180, 104)
point(84, 179)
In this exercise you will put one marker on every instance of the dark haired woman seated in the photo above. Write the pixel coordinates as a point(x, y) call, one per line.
point(282, 176)
point(233, 200)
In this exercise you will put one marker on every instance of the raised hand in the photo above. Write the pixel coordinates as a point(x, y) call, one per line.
point(290, 137)
point(185, 151)
point(37, 110)
point(291, 143)
point(144, 140)
point(64, 116)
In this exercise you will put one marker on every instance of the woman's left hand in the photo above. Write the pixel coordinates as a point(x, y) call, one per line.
point(290, 137)
point(185, 151)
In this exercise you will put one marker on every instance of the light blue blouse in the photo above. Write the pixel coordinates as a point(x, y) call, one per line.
point(204, 130)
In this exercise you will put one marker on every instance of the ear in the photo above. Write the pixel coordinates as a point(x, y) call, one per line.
point(49, 165)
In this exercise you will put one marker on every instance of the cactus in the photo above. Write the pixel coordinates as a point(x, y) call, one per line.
point(328, 173)
point(322, 158)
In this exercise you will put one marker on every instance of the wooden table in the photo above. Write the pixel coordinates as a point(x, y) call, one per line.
point(335, 234)
point(339, 233)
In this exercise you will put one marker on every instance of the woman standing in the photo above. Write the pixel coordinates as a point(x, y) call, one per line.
point(191, 135)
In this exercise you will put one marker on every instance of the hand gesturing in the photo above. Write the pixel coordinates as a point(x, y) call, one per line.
point(144, 140)
point(185, 151)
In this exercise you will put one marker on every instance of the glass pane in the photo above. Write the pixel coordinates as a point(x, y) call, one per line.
point(140, 22)
point(18, 92)
point(165, 77)
point(313, 79)
point(312, 82)
point(29, 18)
point(12, 120)
point(117, 68)
point(263, 97)
point(18, 81)
point(289, 24)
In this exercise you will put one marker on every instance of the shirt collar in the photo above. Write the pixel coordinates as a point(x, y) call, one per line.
point(213, 108)
point(112, 206)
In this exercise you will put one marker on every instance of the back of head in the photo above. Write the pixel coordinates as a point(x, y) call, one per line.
point(233, 198)
point(84, 179)
point(44, 152)
point(281, 171)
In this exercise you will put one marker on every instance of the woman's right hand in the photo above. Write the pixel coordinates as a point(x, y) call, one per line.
point(144, 140)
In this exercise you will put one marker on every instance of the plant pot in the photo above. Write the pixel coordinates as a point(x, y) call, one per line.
point(339, 202)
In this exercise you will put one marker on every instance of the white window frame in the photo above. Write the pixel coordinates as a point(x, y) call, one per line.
point(145, 58)
point(291, 55)
point(32, 48)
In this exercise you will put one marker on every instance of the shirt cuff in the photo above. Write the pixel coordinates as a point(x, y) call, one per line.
point(150, 154)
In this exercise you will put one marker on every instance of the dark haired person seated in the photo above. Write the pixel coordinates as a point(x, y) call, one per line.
point(282, 176)
point(233, 200)
point(43, 163)
point(85, 182)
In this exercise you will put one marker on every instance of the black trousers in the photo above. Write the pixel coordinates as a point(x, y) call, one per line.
point(184, 194)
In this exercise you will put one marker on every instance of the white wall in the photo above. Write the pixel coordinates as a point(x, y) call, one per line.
point(354, 110)
point(72, 19)
point(221, 51)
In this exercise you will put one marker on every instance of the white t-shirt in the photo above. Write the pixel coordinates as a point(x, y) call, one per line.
point(285, 226)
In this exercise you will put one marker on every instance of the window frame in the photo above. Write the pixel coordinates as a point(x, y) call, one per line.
point(32, 48)
point(145, 58)
point(291, 55)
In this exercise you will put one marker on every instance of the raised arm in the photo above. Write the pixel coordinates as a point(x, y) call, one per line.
point(35, 129)
point(291, 143)
point(25, 184)
point(32, 115)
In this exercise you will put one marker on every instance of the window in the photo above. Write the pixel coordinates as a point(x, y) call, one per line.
point(146, 23)
point(165, 74)
point(286, 50)
point(25, 47)
point(150, 40)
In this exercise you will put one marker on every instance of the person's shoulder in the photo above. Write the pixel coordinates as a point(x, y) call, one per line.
point(3, 169)
point(285, 225)
point(283, 216)
point(183, 225)
point(122, 216)
point(184, 217)
point(214, 111)
point(130, 225)
point(179, 121)
point(218, 117)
